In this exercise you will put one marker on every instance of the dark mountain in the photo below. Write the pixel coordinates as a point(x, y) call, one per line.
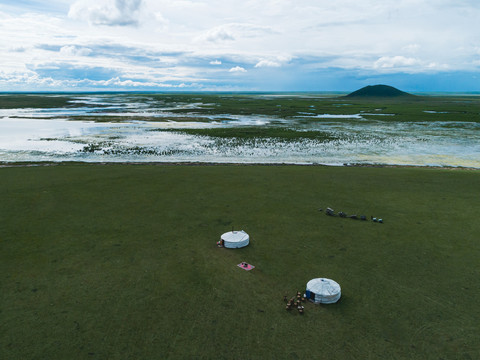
point(379, 91)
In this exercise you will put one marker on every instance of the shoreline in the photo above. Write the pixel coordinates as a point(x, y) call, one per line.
point(4, 164)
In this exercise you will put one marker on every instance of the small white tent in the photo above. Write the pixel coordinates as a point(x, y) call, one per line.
point(323, 291)
point(235, 239)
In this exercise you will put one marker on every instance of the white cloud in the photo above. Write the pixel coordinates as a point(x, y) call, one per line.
point(237, 69)
point(26, 80)
point(19, 49)
point(107, 12)
point(391, 64)
point(32, 81)
point(220, 33)
point(386, 62)
point(71, 50)
point(154, 40)
point(411, 48)
point(161, 20)
point(233, 31)
point(437, 67)
point(267, 63)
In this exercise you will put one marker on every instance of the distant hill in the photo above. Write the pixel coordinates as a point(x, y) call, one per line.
point(379, 91)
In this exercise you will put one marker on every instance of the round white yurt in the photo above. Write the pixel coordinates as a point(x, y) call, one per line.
point(235, 239)
point(323, 291)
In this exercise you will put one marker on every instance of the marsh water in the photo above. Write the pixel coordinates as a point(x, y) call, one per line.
point(144, 128)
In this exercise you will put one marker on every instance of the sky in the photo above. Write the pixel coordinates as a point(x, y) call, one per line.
point(231, 45)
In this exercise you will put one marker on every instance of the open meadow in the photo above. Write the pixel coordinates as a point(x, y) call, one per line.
point(120, 262)
point(141, 141)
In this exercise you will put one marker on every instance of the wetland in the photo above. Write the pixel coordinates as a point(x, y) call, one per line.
point(299, 128)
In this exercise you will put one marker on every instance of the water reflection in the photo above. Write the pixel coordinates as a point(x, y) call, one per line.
point(51, 135)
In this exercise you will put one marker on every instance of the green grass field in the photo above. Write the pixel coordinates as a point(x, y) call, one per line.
point(439, 108)
point(120, 262)
point(462, 108)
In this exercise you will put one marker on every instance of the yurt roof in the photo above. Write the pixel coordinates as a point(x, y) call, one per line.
point(235, 236)
point(323, 286)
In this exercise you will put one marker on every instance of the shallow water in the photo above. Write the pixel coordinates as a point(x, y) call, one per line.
point(52, 135)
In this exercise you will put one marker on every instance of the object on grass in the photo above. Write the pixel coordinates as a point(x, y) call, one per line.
point(246, 266)
point(323, 291)
point(330, 212)
point(342, 214)
point(235, 239)
point(380, 221)
point(363, 217)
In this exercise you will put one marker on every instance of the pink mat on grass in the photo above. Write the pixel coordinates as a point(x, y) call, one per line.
point(246, 266)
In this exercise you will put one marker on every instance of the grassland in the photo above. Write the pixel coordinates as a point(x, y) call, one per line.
point(120, 262)
point(418, 108)
point(19, 101)
point(441, 108)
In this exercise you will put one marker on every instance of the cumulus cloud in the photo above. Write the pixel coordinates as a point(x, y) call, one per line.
point(27, 80)
point(184, 40)
point(71, 50)
point(391, 62)
point(267, 63)
point(237, 69)
point(232, 32)
point(19, 49)
point(107, 12)
point(31, 80)
point(127, 84)
point(437, 66)
point(274, 61)
point(216, 34)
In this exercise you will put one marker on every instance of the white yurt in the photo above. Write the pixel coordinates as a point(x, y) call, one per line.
point(235, 239)
point(323, 291)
